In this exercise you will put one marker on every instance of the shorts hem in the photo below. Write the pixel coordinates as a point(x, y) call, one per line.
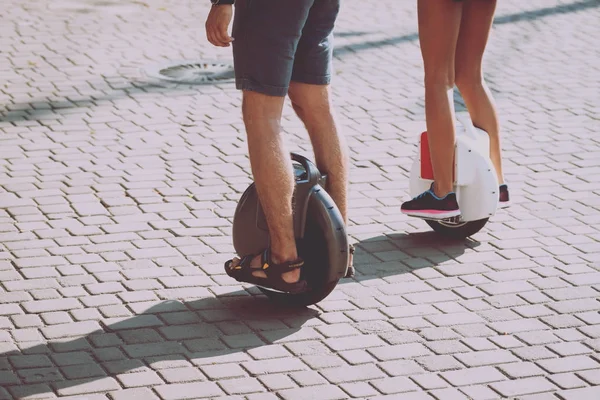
point(312, 79)
point(250, 85)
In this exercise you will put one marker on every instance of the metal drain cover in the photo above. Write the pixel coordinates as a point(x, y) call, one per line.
point(90, 6)
point(192, 72)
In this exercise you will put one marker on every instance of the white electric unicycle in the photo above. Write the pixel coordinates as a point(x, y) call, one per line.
point(475, 180)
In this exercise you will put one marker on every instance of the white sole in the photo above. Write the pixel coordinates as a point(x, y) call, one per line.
point(443, 215)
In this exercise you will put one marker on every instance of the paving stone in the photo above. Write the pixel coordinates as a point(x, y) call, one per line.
point(517, 326)
point(533, 353)
point(181, 391)
point(567, 381)
point(267, 366)
point(242, 386)
point(31, 392)
point(479, 392)
point(439, 363)
point(588, 393)
point(569, 349)
point(473, 376)
point(481, 358)
point(448, 393)
point(399, 351)
point(430, 381)
point(401, 367)
point(276, 382)
point(398, 384)
point(568, 364)
point(223, 371)
point(359, 389)
point(134, 394)
point(321, 392)
point(139, 379)
point(592, 377)
point(82, 371)
point(85, 386)
point(522, 387)
point(352, 373)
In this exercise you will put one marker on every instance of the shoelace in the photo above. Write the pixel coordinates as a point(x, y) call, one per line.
point(422, 194)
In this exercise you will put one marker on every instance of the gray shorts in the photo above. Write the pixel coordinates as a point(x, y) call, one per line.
point(278, 41)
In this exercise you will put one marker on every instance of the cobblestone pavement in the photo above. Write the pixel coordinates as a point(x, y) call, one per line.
point(117, 192)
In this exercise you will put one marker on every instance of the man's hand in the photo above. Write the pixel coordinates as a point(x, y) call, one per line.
point(217, 23)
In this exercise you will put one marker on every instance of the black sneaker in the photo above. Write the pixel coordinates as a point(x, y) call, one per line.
point(504, 200)
point(427, 205)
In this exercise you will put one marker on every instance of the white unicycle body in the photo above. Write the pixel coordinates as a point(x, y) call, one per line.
point(475, 180)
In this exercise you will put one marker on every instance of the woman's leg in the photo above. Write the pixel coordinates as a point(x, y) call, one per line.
point(477, 17)
point(439, 24)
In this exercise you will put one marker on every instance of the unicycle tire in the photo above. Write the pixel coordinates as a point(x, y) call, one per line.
point(324, 251)
point(457, 231)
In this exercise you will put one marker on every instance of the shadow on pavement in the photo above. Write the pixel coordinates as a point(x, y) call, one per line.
point(39, 109)
point(195, 333)
point(399, 253)
point(548, 11)
point(169, 332)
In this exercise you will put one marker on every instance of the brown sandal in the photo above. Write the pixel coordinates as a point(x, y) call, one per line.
point(244, 273)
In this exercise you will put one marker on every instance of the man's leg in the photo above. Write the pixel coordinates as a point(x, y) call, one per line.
point(273, 175)
point(313, 106)
point(310, 95)
point(266, 35)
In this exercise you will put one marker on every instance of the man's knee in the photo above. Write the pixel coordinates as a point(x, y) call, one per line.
point(309, 100)
point(260, 108)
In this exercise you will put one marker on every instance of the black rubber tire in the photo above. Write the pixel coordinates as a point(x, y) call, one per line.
point(460, 231)
point(314, 249)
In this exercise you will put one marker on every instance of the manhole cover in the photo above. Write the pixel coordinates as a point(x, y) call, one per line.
point(192, 72)
point(87, 6)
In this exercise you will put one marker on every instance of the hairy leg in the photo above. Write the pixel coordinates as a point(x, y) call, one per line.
point(439, 23)
point(477, 17)
point(313, 106)
point(273, 176)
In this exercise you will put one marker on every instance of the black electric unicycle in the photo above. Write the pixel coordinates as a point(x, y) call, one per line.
point(321, 237)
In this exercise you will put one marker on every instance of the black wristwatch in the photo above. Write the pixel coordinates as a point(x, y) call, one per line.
point(220, 2)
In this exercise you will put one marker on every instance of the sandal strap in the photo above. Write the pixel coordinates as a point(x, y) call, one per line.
point(273, 280)
point(269, 267)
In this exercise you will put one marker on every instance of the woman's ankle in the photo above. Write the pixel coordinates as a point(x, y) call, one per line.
point(441, 191)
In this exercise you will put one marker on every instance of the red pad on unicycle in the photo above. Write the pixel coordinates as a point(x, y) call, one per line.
point(426, 167)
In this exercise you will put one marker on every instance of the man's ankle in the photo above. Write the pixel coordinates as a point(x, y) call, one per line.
point(282, 257)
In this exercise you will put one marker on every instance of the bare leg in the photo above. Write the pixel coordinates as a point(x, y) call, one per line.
point(477, 17)
point(439, 23)
point(273, 176)
point(313, 106)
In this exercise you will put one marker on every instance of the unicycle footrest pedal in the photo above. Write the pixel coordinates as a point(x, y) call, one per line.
point(453, 220)
point(450, 220)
